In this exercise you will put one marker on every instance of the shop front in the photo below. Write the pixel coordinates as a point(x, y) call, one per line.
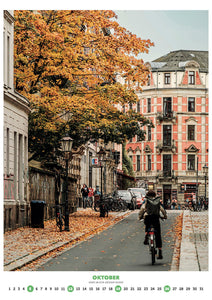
point(168, 194)
point(190, 190)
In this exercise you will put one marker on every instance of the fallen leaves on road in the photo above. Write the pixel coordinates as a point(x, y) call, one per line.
point(84, 223)
point(178, 237)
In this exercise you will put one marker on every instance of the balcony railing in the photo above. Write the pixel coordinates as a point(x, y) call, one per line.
point(167, 116)
point(161, 146)
point(167, 175)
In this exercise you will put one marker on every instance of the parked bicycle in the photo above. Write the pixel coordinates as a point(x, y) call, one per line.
point(112, 203)
point(60, 219)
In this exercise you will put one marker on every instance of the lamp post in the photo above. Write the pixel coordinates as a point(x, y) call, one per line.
point(205, 171)
point(116, 156)
point(101, 155)
point(66, 143)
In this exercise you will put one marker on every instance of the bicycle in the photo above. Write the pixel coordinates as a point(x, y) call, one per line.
point(106, 199)
point(152, 243)
point(60, 219)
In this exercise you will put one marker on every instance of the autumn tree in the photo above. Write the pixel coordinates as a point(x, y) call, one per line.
point(69, 61)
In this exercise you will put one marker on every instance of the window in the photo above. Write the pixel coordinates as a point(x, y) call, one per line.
point(131, 157)
point(167, 165)
point(167, 107)
point(8, 60)
point(191, 104)
point(148, 82)
point(130, 106)
point(138, 162)
point(20, 165)
point(167, 78)
point(191, 162)
point(191, 132)
point(138, 106)
point(149, 162)
point(191, 77)
point(148, 105)
point(149, 135)
point(15, 164)
point(167, 135)
point(8, 152)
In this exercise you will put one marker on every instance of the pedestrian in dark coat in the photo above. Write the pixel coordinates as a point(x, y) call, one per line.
point(84, 192)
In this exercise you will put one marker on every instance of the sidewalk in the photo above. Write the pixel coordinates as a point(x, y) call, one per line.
point(194, 244)
point(25, 245)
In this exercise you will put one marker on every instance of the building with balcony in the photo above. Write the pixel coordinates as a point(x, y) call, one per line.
point(176, 150)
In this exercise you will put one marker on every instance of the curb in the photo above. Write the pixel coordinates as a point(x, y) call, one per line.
point(188, 253)
point(19, 263)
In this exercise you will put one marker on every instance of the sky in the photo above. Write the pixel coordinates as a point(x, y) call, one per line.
point(171, 25)
point(170, 30)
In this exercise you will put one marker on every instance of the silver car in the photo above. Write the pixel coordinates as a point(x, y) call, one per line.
point(128, 197)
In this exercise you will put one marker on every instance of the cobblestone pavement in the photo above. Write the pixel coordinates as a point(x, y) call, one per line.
point(27, 244)
point(194, 244)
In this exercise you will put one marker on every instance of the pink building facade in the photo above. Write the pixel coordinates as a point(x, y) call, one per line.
point(172, 157)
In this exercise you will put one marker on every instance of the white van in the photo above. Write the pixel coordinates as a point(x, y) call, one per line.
point(140, 190)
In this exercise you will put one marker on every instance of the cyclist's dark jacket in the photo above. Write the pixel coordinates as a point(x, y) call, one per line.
point(143, 211)
point(152, 220)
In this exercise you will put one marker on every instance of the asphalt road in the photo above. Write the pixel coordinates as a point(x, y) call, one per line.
point(119, 248)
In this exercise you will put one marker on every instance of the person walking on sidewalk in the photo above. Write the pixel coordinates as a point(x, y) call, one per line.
point(150, 212)
point(84, 192)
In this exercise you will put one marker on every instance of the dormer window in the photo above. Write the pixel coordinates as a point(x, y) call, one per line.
point(191, 77)
point(167, 78)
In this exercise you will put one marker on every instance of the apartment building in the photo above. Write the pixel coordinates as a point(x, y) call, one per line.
point(172, 157)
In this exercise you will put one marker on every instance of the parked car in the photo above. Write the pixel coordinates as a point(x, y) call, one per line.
point(140, 194)
point(129, 197)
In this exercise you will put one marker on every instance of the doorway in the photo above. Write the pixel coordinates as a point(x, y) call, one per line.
point(167, 190)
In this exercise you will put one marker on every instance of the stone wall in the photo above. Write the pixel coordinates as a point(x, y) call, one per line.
point(42, 187)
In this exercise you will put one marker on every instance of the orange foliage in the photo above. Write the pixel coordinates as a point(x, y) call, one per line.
point(63, 57)
point(69, 61)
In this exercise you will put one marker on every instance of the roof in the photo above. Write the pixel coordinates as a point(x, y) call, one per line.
point(176, 60)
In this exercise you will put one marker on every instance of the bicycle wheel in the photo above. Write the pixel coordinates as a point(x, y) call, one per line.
point(96, 206)
point(60, 223)
point(153, 252)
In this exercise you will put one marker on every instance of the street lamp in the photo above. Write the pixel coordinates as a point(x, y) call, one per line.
point(205, 171)
point(101, 155)
point(116, 156)
point(66, 143)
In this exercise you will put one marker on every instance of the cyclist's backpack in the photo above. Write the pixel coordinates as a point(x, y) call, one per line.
point(153, 206)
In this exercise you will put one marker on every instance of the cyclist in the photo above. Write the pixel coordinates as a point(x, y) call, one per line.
point(151, 216)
